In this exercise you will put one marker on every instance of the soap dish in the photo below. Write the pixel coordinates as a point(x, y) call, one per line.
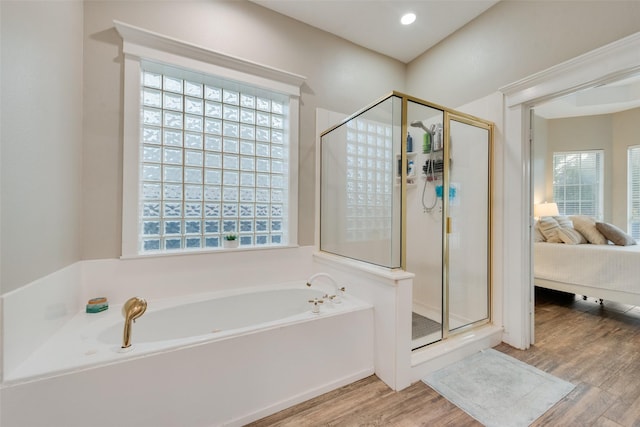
point(96, 305)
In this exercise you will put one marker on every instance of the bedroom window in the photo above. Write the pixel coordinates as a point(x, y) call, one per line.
point(210, 149)
point(633, 191)
point(578, 182)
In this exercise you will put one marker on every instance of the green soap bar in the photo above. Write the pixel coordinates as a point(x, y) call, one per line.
point(97, 308)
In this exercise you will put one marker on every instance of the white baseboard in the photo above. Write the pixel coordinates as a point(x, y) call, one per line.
point(302, 397)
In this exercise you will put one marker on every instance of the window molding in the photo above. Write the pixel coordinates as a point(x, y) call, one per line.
point(633, 191)
point(140, 44)
point(143, 43)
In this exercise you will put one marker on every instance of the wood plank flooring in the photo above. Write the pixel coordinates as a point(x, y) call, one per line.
point(595, 347)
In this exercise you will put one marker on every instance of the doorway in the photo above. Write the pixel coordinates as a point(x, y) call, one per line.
point(605, 65)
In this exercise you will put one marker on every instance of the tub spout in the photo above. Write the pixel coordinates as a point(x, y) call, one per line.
point(335, 297)
point(131, 310)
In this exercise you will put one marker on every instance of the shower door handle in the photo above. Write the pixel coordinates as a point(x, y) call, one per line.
point(448, 225)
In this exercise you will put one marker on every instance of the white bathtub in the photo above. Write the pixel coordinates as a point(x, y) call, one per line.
point(217, 359)
point(217, 317)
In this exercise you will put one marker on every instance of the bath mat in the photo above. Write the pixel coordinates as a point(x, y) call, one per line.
point(498, 390)
point(422, 326)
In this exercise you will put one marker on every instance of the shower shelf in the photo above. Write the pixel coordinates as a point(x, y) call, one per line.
point(412, 180)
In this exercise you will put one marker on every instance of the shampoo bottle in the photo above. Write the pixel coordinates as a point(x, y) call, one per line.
point(426, 143)
point(409, 143)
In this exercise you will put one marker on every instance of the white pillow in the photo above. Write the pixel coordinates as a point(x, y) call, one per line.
point(587, 227)
point(564, 221)
point(549, 228)
point(571, 236)
point(537, 234)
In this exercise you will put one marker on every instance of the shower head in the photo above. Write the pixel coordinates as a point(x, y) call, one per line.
point(420, 124)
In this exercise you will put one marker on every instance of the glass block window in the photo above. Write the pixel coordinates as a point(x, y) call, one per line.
point(578, 182)
point(213, 161)
point(633, 191)
point(369, 180)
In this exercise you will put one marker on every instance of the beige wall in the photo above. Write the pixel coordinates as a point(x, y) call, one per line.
point(41, 133)
point(513, 40)
point(61, 191)
point(538, 161)
point(626, 133)
point(340, 77)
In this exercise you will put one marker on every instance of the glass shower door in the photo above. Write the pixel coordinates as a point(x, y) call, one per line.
point(467, 243)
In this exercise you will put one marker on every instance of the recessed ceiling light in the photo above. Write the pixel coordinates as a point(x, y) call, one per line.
point(408, 18)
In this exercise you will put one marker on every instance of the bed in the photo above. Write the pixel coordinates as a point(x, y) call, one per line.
point(606, 271)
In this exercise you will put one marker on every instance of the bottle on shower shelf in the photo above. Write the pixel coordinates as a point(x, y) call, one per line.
point(437, 138)
point(409, 143)
point(426, 142)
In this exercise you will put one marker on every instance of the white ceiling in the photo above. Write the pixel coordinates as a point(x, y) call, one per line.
point(375, 24)
point(606, 99)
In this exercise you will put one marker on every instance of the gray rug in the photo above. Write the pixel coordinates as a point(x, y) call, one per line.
point(422, 326)
point(498, 390)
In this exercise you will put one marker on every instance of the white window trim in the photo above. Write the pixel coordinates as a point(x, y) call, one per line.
point(629, 188)
point(141, 44)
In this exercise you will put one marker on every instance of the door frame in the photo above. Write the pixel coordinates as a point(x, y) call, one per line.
point(606, 64)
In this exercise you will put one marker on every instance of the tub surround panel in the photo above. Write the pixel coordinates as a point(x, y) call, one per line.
point(33, 313)
point(389, 291)
point(171, 276)
point(229, 382)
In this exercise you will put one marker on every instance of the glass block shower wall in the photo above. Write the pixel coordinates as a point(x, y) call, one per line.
point(360, 200)
point(369, 180)
point(214, 161)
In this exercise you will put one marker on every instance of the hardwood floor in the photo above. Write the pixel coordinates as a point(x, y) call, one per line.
point(595, 347)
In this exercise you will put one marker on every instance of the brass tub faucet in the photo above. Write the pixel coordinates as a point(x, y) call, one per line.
point(131, 310)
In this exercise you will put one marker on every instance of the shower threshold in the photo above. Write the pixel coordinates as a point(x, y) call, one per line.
point(424, 331)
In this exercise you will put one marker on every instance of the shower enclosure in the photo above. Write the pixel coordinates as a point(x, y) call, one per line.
point(406, 184)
